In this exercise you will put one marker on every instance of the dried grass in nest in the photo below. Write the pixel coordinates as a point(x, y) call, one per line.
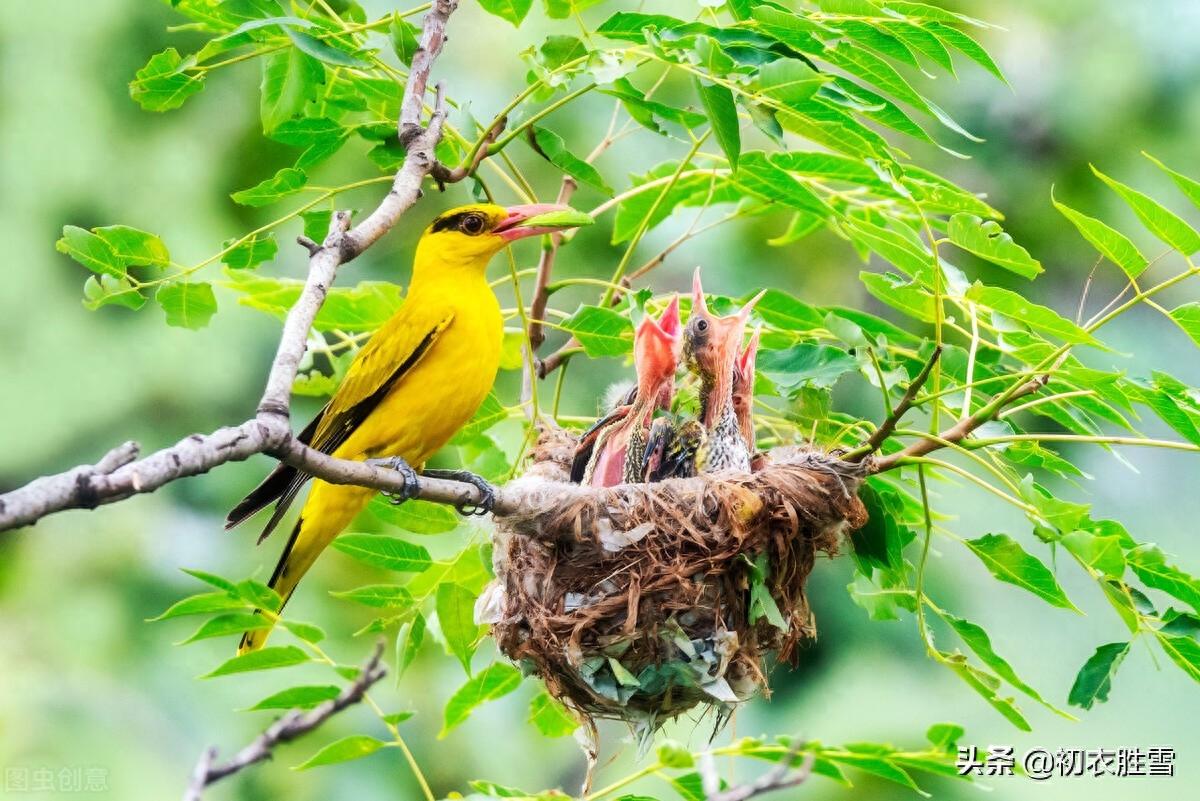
point(635, 602)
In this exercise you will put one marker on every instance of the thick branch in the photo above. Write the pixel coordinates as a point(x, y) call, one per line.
point(291, 726)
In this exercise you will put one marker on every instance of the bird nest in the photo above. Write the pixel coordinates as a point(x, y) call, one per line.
point(640, 601)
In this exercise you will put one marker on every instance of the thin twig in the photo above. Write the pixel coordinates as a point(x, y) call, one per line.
point(876, 440)
point(291, 726)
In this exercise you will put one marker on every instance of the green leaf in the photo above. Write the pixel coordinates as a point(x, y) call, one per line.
point(1094, 680)
point(602, 332)
point(1184, 651)
point(408, 642)
point(722, 114)
point(489, 413)
point(303, 697)
point(766, 178)
point(911, 257)
point(91, 251)
point(104, 290)
point(290, 81)
point(1161, 222)
point(224, 625)
point(162, 84)
point(551, 147)
point(355, 746)
point(906, 296)
point(389, 553)
point(362, 308)
point(1008, 562)
point(419, 517)
point(496, 680)
point(945, 736)
point(404, 39)
point(1039, 318)
point(1187, 317)
point(987, 240)
point(187, 304)
point(305, 631)
point(1104, 554)
point(287, 181)
point(551, 717)
point(674, 754)
point(378, 595)
point(456, 617)
point(628, 26)
point(323, 51)
point(513, 11)
point(986, 685)
point(248, 254)
point(1188, 186)
point(1114, 245)
point(779, 309)
point(263, 659)
point(303, 131)
point(964, 44)
point(645, 111)
point(981, 644)
point(133, 247)
point(201, 604)
point(213, 581)
point(258, 594)
point(877, 543)
point(1150, 565)
point(806, 364)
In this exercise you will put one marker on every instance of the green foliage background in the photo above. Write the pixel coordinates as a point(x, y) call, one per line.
point(88, 683)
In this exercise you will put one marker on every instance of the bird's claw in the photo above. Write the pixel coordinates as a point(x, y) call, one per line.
point(411, 480)
point(486, 491)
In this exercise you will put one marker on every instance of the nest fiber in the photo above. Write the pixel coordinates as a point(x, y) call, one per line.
point(639, 601)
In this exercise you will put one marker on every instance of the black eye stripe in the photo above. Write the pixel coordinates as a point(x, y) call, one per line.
point(452, 222)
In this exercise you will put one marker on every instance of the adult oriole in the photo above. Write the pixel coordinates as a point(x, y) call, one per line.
point(416, 382)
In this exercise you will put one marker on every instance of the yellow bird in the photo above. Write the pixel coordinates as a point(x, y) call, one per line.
point(416, 382)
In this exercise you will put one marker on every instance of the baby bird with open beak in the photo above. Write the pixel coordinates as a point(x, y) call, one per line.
point(611, 451)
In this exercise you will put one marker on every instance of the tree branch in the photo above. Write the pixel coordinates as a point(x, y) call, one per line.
point(117, 476)
point(291, 726)
point(780, 777)
point(963, 428)
point(876, 440)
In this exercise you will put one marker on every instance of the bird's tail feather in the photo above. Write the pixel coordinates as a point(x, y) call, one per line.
point(329, 509)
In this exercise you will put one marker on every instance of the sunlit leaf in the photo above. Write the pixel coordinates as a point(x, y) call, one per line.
point(355, 746)
point(91, 251)
point(1110, 242)
point(250, 253)
point(1187, 317)
point(513, 11)
point(378, 595)
point(389, 553)
point(202, 604)
point(263, 659)
point(304, 697)
point(494, 681)
point(162, 84)
point(287, 181)
point(224, 625)
point(1009, 562)
point(987, 240)
point(1039, 318)
point(456, 617)
point(187, 304)
point(1188, 186)
point(550, 717)
point(602, 332)
point(1160, 221)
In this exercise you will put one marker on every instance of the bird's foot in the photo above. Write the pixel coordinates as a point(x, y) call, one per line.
point(411, 481)
point(486, 491)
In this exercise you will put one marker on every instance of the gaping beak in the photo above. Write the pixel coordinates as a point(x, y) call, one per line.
point(698, 303)
point(744, 313)
point(656, 349)
point(537, 219)
point(745, 362)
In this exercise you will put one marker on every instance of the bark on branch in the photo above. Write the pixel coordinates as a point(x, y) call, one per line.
point(291, 726)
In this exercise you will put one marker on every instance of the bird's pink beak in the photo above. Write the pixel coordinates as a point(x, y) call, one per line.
point(744, 313)
point(745, 362)
point(537, 219)
point(698, 303)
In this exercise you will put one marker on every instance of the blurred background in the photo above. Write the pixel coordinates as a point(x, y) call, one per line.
point(88, 685)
